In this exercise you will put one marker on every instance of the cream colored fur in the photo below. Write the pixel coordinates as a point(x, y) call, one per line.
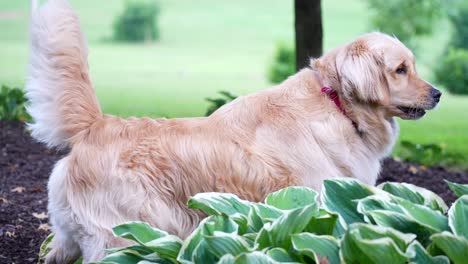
point(145, 169)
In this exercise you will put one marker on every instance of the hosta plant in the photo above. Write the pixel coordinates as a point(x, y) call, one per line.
point(354, 223)
point(13, 104)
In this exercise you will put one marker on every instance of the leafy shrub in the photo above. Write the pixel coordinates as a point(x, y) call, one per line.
point(12, 104)
point(216, 103)
point(428, 154)
point(452, 72)
point(283, 64)
point(458, 16)
point(356, 223)
point(405, 19)
point(137, 23)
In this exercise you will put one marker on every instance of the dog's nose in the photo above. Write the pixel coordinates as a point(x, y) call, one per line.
point(436, 94)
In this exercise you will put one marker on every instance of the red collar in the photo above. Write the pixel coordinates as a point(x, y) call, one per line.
point(333, 95)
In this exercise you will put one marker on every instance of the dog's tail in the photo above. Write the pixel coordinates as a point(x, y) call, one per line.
point(62, 100)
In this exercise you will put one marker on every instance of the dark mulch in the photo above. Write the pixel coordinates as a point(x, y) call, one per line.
point(24, 169)
point(430, 178)
point(27, 165)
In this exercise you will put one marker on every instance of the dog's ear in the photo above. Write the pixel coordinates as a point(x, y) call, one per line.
point(362, 74)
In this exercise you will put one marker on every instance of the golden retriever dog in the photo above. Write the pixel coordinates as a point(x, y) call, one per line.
point(332, 119)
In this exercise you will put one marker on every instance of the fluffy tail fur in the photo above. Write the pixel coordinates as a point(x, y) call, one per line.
point(62, 100)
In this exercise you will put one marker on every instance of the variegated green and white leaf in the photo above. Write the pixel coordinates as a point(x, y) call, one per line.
point(248, 258)
point(140, 232)
point(457, 188)
point(261, 214)
point(221, 243)
point(323, 223)
point(341, 196)
point(313, 245)
point(281, 255)
point(219, 203)
point(194, 248)
point(455, 247)
point(166, 247)
point(292, 197)
point(402, 223)
point(363, 243)
point(278, 233)
point(416, 212)
point(132, 257)
point(458, 217)
point(418, 255)
point(415, 194)
point(137, 247)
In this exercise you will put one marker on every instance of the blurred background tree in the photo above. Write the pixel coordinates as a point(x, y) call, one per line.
point(138, 22)
point(452, 72)
point(406, 19)
point(458, 16)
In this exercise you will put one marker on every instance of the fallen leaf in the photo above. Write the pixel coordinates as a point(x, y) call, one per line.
point(18, 189)
point(10, 234)
point(44, 227)
point(4, 200)
point(413, 169)
point(36, 189)
point(422, 167)
point(40, 216)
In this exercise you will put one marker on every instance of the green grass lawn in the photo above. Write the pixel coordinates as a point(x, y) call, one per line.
point(211, 45)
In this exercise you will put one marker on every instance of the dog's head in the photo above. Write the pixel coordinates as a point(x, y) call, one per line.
point(378, 69)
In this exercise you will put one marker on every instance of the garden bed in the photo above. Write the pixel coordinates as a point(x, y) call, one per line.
point(26, 165)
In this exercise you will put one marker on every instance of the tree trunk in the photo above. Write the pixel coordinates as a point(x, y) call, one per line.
point(309, 33)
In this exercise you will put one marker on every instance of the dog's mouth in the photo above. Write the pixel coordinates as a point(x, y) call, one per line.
point(411, 112)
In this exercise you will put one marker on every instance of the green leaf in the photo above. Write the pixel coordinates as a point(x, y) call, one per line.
point(292, 197)
point(341, 196)
point(456, 248)
point(457, 188)
point(255, 222)
point(45, 246)
point(322, 224)
point(227, 259)
point(137, 247)
point(415, 194)
point(458, 217)
point(219, 203)
point(278, 233)
point(363, 243)
point(120, 258)
point(418, 255)
point(266, 212)
point(248, 258)
point(202, 254)
point(166, 247)
point(219, 223)
point(138, 231)
point(222, 243)
point(418, 213)
point(281, 255)
point(312, 245)
point(195, 248)
point(403, 224)
point(261, 214)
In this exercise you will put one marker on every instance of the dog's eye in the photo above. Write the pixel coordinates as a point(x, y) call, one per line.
point(401, 69)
